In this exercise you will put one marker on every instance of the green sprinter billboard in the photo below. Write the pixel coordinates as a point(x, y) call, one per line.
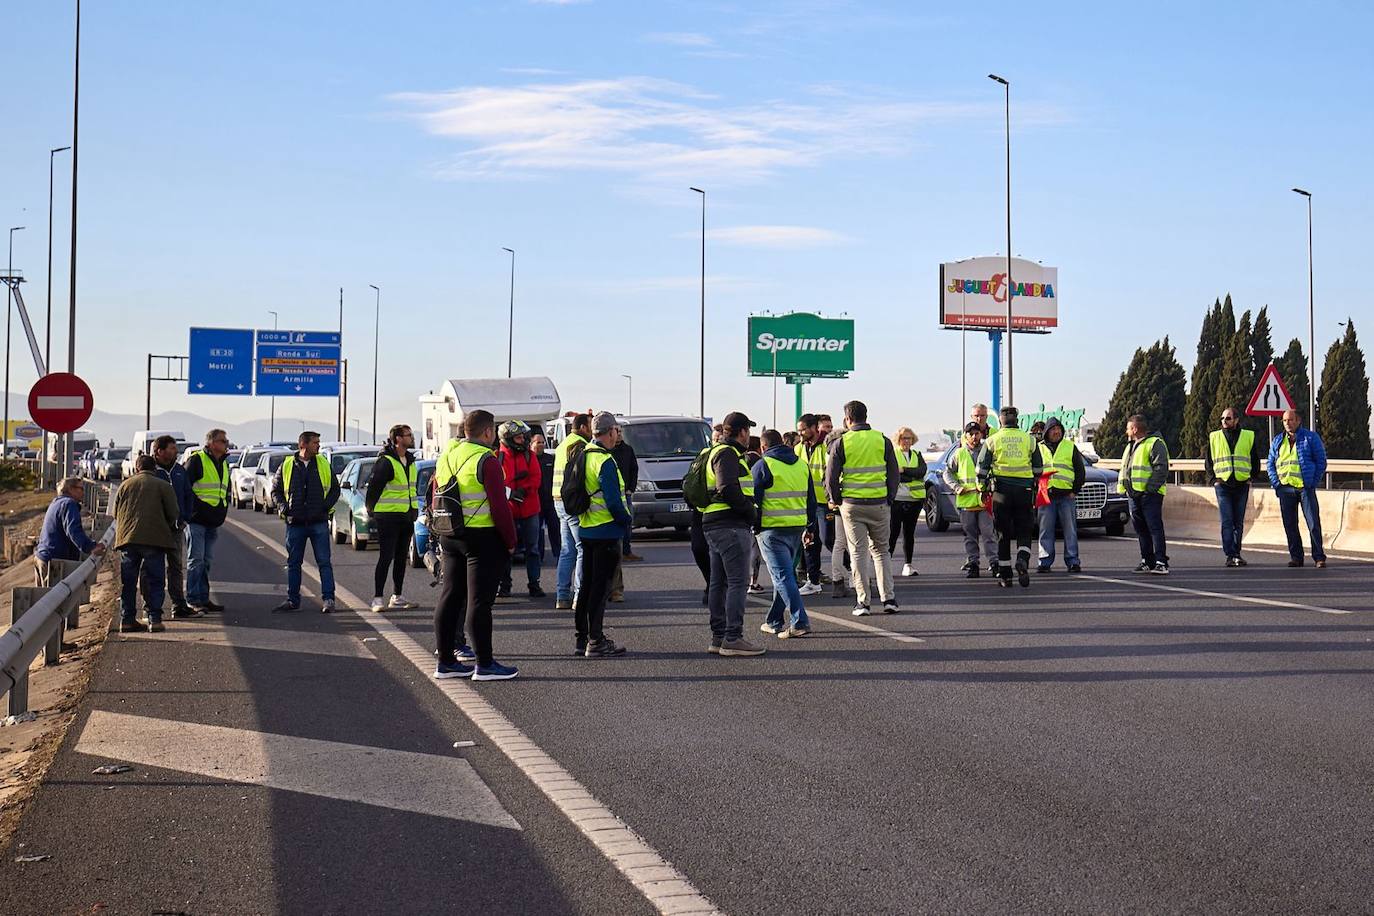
point(801, 345)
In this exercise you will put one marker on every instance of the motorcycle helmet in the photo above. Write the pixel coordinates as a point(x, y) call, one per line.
point(512, 428)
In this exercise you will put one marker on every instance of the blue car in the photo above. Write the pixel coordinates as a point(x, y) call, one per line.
point(424, 472)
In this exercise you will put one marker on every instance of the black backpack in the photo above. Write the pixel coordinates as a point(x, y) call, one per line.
point(576, 499)
point(694, 488)
point(446, 506)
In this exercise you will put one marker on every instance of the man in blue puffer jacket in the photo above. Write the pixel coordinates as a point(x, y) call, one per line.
point(1297, 463)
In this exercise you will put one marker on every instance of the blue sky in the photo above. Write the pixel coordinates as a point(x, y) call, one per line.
point(241, 158)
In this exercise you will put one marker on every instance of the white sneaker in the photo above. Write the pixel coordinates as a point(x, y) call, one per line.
point(907, 570)
point(768, 628)
point(861, 610)
point(811, 588)
point(378, 605)
point(328, 606)
point(400, 602)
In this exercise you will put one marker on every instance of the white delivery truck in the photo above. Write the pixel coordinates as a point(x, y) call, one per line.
point(143, 445)
point(534, 400)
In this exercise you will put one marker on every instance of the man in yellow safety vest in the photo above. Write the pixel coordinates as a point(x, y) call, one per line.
point(1144, 478)
point(861, 480)
point(1063, 464)
point(305, 491)
point(961, 476)
point(1297, 463)
point(208, 474)
point(1231, 459)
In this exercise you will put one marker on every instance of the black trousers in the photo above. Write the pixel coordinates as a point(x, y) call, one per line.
point(473, 566)
point(600, 560)
point(394, 531)
point(1013, 514)
point(700, 552)
point(549, 518)
point(905, 512)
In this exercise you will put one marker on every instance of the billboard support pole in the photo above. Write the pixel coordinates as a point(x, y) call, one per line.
point(798, 386)
point(996, 338)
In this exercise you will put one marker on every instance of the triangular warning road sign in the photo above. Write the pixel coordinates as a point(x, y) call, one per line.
point(1271, 397)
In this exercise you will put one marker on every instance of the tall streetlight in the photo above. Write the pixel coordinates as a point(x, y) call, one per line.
point(47, 341)
point(9, 312)
point(272, 423)
point(376, 354)
point(71, 285)
point(701, 407)
point(630, 395)
point(510, 334)
point(1011, 288)
point(1311, 331)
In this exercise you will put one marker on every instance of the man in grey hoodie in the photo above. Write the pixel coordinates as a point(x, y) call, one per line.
point(1064, 466)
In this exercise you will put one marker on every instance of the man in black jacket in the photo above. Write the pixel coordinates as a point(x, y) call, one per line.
point(728, 526)
point(628, 462)
point(1230, 458)
point(305, 490)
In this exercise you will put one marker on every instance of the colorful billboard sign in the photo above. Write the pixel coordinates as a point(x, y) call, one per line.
point(973, 294)
point(801, 344)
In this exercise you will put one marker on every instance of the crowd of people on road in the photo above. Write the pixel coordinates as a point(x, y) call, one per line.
point(777, 500)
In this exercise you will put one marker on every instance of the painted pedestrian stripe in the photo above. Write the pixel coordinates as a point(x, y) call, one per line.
point(273, 640)
point(400, 780)
point(1222, 596)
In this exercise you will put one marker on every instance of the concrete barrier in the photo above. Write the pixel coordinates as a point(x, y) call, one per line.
point(1347, 517)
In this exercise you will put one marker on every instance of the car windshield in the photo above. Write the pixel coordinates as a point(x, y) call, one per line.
point(339, 460)
point(274, 461)
point(422, 477)
point(119, 453)
point(667, 439)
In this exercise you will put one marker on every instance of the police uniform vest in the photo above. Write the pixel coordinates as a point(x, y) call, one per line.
point(560, 461)
point(1235, 465)
point(815, 462)
point(1134, 478)
point(1011, 453)
point(461, 460)
point(784, 503)
point(213, 486)
point(864, 475)
point(399, 493)
point(1059, 462)
point(321, 467)
point(597, 513)
point(1290, 471)
point(917, 487)
point(966, 472)
point(746, 482)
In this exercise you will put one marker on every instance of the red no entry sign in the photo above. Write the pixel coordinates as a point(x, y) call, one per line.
point(60, 402)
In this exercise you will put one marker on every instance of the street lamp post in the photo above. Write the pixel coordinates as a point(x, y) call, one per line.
point(47, 342)
point(376, 353)
point(1011, 287)
point(71, 285)
point(9, 312)
point(272, 422)
point(510, 334)
point(1311, 322)
point(701, 407)
point(358, 428)
point(630, 398)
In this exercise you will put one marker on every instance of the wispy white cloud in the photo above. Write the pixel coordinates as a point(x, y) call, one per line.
point(778, 237)
point(654, 129)
point(532, 71)
point(680, 39)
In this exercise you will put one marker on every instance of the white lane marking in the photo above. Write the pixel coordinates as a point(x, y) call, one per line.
point(255, 588)
point(400, 780)
point(60, 402)
point(212, 634)
point(1249, 599)
point(847, 622)
point(1278, 551)
point(666, 888)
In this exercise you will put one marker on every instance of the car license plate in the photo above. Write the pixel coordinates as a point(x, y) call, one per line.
point(1089, 513)
point(680, 507)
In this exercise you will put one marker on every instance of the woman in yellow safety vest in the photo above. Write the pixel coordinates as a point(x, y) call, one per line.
point(910, 498)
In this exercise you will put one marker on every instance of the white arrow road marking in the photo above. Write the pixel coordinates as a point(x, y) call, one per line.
point(400, 780)
point(1221, 596)
point(272, 640)
point(60, 402)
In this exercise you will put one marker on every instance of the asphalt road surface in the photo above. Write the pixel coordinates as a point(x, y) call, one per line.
point(1202, 742)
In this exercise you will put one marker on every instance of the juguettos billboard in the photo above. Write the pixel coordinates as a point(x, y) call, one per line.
point(973, 294)
point(801, 344)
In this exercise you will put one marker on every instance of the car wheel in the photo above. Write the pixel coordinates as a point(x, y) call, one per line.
point(416, 559)
point(935, 516)
point(257, 507)
point(358, 543)
point(339, 536)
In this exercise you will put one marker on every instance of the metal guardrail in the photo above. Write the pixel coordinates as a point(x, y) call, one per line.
point(1179, 466)
point(41, 628)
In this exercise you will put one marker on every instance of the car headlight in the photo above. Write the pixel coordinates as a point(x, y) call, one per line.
point(645, 485)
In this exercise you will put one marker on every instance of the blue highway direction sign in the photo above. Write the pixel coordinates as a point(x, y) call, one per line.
point(298, 363)
point(221, 361)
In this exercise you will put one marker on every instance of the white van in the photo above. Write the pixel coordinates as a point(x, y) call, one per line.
point(534, 400)
point(143, 445)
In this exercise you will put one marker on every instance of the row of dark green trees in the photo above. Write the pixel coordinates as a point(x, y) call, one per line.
point(1231, 357)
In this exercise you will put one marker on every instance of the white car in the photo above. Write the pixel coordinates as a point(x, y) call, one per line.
point(243, 472)
point(262, 479)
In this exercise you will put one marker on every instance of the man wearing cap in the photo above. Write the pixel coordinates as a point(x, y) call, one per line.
point(728, 524)
point(961, 476)
point(602, 529)
point(861, 480)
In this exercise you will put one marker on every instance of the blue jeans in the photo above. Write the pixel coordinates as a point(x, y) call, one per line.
point(1231, 503)
point(780, 547)
point(1147, 517)
point(199, 557)
point(152, 563)
point(1289, 500)
point(570, 557)
point(527, 538)
point(729, 589)
point(1065, 511)
point(318, 535)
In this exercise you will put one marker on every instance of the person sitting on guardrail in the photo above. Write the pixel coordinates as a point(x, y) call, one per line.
point(63, 537)
point(1297, 463)
point(145, 514)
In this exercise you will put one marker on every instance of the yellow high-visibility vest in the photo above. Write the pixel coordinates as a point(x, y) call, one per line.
point(1226, 464)
point(746, 482)
point(864, 475)
point(1059, 460)
point(399, 493)
point(784, 503)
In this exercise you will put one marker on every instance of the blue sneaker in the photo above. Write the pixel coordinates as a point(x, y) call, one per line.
point(494, 672)
point(466, 655)
point(443, 671)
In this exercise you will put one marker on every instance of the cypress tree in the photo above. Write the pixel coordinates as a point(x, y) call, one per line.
point(1343, 399)
point(1292, 366)
point(1261, 354)
point(1198, 408)
point(1110, 440)
point(1235, 384)
point(1153, 384)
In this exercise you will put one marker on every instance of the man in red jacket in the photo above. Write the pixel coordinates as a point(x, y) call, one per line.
point(523, 475)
